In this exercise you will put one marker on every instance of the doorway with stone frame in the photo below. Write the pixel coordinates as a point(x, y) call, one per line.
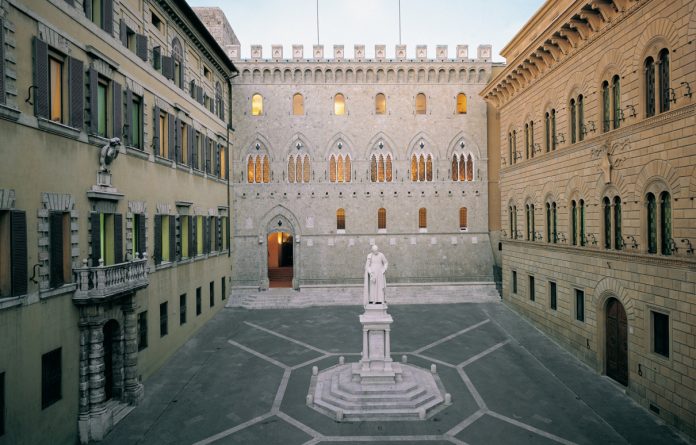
point(280, 259)
point(616, 341)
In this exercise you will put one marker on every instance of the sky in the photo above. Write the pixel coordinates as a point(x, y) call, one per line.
point(370, 22)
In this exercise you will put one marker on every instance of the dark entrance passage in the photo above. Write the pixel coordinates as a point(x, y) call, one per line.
point(280, 259)
point(617, 342)
point(111, 329)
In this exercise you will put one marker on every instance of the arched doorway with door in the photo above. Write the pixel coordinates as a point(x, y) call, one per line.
point(280, 259)
point(616, 343)
point(113, 360)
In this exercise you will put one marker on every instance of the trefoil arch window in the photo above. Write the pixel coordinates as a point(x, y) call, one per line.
point(422, 167)
point(462, 167)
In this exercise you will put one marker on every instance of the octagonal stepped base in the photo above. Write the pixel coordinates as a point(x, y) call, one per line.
point(335, 393)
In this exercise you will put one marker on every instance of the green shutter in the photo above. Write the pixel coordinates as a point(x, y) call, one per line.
point(55, 227)
point(42, 93)
point(18, 254)
point(172, 239)
point(95, 237)
point(118, 238)
point(117, 110)
point(158, 239)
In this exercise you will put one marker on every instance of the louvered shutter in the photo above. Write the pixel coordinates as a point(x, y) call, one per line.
point(55, 259)
point(171, 135)
point(172, 238)
point(141, 46)
point(108, 16)
point(117, 110)
point(118, 238)
point(179, 143)
point(142, 235)
point(199, 94)
point(194, 149)
point(205, 152)
point(157, 57)
point(182, 67)
point(227, 231)
point(168, 67)
point(41, 94)
point(156, 130)
point(128, 119)
point(217, 160)
point(123, 32)
point(158, 239)
point(95, 237)
point(206, 234)
point(218, 233)
point(18, 252)
point(88, 8)
point(2, 62)
point(76, 71)
point(70, 2)
point(193, 240)
point(93, 101)
point(191, 145)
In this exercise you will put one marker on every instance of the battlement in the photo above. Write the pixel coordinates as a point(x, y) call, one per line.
point(484, 53)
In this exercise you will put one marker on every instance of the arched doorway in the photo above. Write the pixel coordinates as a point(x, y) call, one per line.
point(280, 259)
point(616, 347)
point(112, 360)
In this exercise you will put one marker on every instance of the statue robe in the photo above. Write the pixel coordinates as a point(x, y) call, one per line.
point(375, 267)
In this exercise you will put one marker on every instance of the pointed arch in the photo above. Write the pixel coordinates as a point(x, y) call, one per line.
point(332, 145)
point(389, 145)
point(470, 145)
point(250, 146)
point(429, 145)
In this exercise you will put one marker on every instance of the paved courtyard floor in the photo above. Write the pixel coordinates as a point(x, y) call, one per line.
point(243, 379)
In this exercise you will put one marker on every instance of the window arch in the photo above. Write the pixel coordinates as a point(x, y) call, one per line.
point(339, 168)
point(422, 218)
point(382, 219)
point(463, 219)
point(421, 104)
point(461, 103)
point(340, 219)
point(339, 104)
point(380, 104)
point(256, 105)
point(297, 104)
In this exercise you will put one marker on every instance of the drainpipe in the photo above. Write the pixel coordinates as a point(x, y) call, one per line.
point(227, 160)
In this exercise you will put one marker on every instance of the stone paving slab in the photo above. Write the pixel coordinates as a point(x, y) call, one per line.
point(243, 379)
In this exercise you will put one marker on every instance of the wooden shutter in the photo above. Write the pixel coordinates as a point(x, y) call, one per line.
point(41, 93)
point(118, 238)
point(168, 67)
point(123, 32)
point(108, 16)
point(95, 237)
point(227, 231)
point(172, 238)
point(158, 239)
point(205, 153)
point(179, 143)
point(93, 101)
point(171, 134)
point(2, 62)
point(18, 254)
point(157, 57)
point(191, 145)
point(218, 233)
point(156, 129)
point(76, 72)
point(127, 120)
point(193, 239)
point(217, 160)
point(199, 94)
point(142, 245)
point(88, 8)
point(141, 46)
point(55, 227)
point(117, 110)
point(194, 149)
point(206, 234)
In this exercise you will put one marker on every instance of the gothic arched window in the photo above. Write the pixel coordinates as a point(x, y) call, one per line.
point(421, 104)
point(297, 104)
point(256, 105)
point(380, 104)
point(382, 219)
point(339, 104)
point(461, 103)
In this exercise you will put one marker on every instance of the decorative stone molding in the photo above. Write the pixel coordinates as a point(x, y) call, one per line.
point(462, 52)
point(134, 208)
point(164, 208)
point(441, 52)
point(421, 52)
point(7, 198)
point(55, 202)
point(380, 52)
point(400, 52)
point(277, 52)
point(53, 38)
point(338, 52)
point(359, 52)
point(256, 52)
point(297, 52)
point(318, 52)
point(233, 52)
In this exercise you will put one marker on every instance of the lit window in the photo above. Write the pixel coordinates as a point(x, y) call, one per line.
point(340, 219)
point(421, 107)
point(422, 218)
point(266, 170)
point(250, 170)
point(256, 105)
point(56, 89)
point(380, 104)
point(463, 218)
point(332, 169)
point(339, 104)
point(461, 103)
point(297, 105)
point(382, 219)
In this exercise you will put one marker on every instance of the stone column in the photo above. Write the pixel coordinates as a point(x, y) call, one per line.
point(96, 366)
point(83, 417)
point(133, 390)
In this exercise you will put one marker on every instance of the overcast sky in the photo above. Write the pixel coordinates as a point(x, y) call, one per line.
point(370, 22)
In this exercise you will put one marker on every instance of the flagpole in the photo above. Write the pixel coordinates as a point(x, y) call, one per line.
point(317, 22)
point(399, 22)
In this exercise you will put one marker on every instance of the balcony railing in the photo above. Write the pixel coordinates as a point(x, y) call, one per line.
point(101, 283)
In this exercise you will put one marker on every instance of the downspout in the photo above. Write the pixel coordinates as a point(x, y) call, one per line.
point(227, 160)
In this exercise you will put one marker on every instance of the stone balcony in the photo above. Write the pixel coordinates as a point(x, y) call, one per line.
point(103, 283)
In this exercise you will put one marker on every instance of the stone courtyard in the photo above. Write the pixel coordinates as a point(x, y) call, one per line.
point(243, 379)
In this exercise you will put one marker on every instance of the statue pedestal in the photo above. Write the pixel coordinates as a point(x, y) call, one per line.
point(376, 365)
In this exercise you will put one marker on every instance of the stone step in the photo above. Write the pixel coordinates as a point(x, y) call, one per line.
point(425, 400)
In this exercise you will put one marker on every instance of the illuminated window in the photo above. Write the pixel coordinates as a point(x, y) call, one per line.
point(297, 105)
point(462, 167)
point(56, 89)
point(382, 219)
point(339, 168)
point(421, 106)
point(307, 169)
point(380, 104)
point(422, 218)
point(250, 170)
point(256, 105)
point(347, 168)
point(461, 103)
point(332, 169)
point(462, 218)
point(266, 170)
point(299, 168)
point(339, 104)
point(257, 169)
point(373, 169)
point(340, 219)
point(389, 169)
point(163, 149)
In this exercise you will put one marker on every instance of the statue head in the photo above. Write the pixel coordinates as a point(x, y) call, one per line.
point(375, 249)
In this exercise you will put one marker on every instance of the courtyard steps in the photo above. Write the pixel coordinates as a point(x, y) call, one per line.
point(278, 298)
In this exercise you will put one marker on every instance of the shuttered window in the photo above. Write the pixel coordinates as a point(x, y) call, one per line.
point(106, 238)
point(134, 119)
point(59, 249)
point(139, 235)
point(2, 92)
point(13, 253)
point(51, 378)
point(101, 12)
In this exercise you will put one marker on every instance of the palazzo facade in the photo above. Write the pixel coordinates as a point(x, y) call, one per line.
point(598, 185)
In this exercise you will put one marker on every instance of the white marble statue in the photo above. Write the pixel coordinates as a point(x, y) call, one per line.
point(375, 286)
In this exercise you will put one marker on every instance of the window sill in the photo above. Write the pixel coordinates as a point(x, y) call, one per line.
point(381, 230)
point(340, 231)
point(197, 172)
point(422, 230)
point(57, 291)
point(465, 229)
point(10, 302)
point(164, 161)
point(58, 128)
point(97, 140)
point(9, 113)
point(164, 265)
point(137, 152)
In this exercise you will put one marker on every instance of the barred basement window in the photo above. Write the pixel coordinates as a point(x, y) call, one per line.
point(182, 309)
point(380, 104)
point(531, 288)
point(51, 378)
point(198, 301)
point(340, 219)
point(552, 295)
point(422, 218)
point(382, 219)
point(579, 305)
point(514, 281)
point(212, 293)
point(142, 330)
point(164, 319)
